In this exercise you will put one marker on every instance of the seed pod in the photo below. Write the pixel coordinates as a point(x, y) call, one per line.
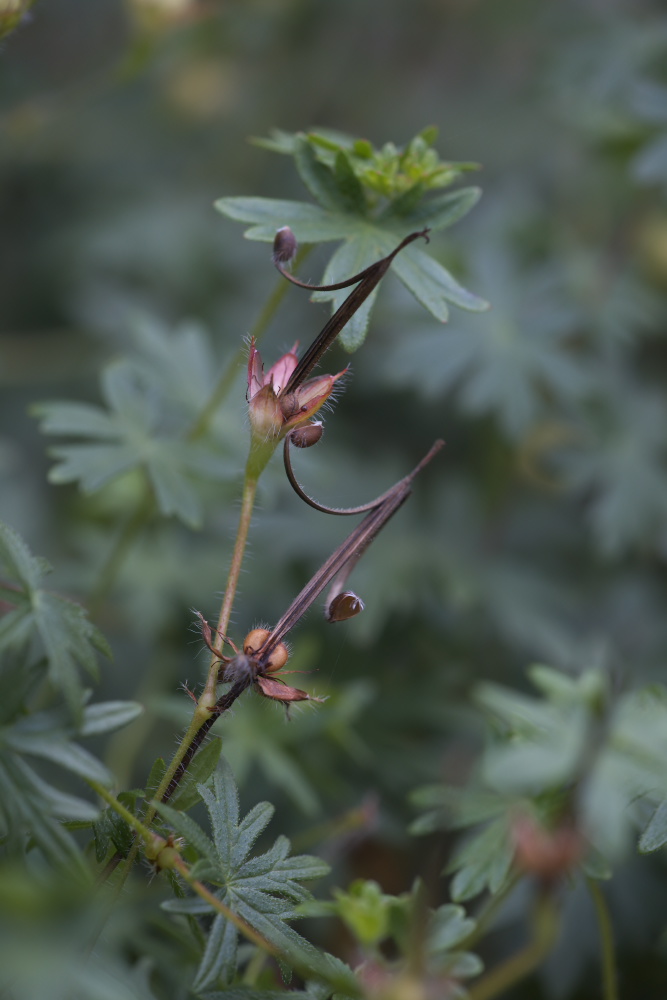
point(254, 641)
point(344, 606)
point(284, 246)
point(306, 437)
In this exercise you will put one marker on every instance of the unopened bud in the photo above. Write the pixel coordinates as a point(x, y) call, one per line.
point(344, 606)
point(307, 436)
point(284, 246)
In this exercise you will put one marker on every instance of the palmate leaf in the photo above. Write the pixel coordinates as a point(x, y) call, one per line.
point(574, 740)
point(150, 410)
point(370, 199)
point(263, 889)
point(69, 640)
point(620, 467)
point(516, 365)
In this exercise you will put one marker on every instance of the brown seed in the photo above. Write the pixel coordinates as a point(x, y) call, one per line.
point(344, 606)
point(305, 437)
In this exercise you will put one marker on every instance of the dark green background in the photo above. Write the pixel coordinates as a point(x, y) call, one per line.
point(540, 534)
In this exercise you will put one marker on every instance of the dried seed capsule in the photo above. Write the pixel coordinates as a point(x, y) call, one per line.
point(344, 606)
point(254, 641)
point(284, 246)
point(306, 437)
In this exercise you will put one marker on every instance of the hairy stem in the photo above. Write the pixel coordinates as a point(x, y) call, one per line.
point(208, 709)
point(609, 976)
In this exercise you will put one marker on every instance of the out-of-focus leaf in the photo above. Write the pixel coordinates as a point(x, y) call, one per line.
point(655, 835)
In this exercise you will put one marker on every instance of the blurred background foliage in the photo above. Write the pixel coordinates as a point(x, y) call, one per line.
point(539, 535)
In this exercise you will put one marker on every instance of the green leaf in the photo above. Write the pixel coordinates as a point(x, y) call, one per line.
point(483, 862)
point(348, 184)
point(218, 963)
point(309, 223)
point(26, 810)
point(432, 285)
point(69, 640)
point(261, 889)
point(105, 716)
point(319, 178)
point(17, 560)
point(437, 213)
point(449, 925)
point(92, 465)
point(55, 747)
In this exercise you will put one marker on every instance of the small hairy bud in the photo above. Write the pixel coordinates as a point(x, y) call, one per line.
point(344, 606)
point(284, 246)
point(307, 436)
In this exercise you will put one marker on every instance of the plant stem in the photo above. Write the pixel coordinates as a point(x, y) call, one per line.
point(545, 927)
point(203, 717)
point(247, 504)
point(609, 975)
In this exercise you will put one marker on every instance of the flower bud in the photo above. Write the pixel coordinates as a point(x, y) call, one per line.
point(344, 606)
point(307, 436)
point(284, 246)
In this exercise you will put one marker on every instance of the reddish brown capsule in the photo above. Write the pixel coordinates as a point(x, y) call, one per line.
point(254, 641)
point(344, 606)
point(284, 246)
point(306, 437)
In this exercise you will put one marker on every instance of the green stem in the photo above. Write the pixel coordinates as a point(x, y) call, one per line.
point(545, 928)
point(609, 976)
point(245, 517)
